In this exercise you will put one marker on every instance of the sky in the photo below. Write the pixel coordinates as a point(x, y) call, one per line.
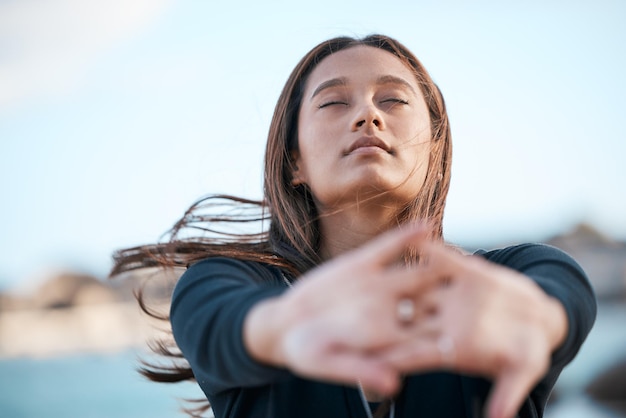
point(116, 116)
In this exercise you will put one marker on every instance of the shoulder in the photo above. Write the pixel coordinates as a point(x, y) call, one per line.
point(224, 271)
point(528, 255)
point(225, 267)
point(551, 268)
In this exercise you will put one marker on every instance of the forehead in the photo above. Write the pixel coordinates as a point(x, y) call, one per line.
point(360, 63)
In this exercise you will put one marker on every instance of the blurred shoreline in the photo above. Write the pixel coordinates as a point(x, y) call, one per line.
point(101, 328)
point(73, 313)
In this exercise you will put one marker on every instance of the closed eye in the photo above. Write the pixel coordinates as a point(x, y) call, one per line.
point(331, 103)
point(395, 100)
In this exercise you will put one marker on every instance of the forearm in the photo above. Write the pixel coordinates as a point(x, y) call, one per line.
point(263, 328)
point(209, 308)
point(556, 322)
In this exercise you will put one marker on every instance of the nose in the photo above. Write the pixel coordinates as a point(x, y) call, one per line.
point(368, 116)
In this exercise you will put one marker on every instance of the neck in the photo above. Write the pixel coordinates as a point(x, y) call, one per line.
point(344, 229)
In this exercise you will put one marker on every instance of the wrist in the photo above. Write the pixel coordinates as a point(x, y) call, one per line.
point(556, 323)
point(263, 330)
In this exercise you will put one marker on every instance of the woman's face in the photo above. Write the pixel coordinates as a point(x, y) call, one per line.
point(363, 129)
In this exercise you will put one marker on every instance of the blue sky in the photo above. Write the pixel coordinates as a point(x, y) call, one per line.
point(115, 116)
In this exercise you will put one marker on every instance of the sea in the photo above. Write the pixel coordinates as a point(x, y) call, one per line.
point(108, 386)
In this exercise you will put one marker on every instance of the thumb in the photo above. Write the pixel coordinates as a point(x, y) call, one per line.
point(507, 395)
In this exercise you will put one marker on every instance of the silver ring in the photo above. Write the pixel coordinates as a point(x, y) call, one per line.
point(445, 345)
point(405, 310)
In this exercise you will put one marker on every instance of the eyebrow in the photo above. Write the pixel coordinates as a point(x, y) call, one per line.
point(342, 81)
point(392, 79)
point(333, 82)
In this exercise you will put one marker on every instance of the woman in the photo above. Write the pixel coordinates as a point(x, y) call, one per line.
point(351, 305)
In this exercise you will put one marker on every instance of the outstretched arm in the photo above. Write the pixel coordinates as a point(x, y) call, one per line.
point(511, 324)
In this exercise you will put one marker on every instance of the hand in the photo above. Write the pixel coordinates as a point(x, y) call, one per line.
point(480, 318)
point(336, 317)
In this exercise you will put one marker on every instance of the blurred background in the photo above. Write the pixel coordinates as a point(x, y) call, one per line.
point(116, 116)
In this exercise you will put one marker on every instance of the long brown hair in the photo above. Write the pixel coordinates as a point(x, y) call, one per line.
point(292, 238)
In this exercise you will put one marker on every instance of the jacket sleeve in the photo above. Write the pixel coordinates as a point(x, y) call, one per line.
point(209, 305)
point(562, 278)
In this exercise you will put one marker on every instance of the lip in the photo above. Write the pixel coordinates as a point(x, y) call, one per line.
point(367, 142)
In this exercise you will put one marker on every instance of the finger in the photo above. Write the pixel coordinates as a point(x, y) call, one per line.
point(441, 260)
point(410, 281)
point(417, 303)
point(445, 264)
point(415, 281)
point(507, 395)
point(323, 356)
point(423, 282)
point(423, 351)
point(386, 248)
point(373, 374)
point(413, 357)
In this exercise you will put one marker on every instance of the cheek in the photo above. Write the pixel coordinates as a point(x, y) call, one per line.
point(419, 164)
point(314, 141)
point(416, 140)
point(420, 129)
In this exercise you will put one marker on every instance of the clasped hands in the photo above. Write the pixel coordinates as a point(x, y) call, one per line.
point(365, 317)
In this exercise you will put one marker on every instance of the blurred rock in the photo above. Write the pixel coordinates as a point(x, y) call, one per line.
point(86, 328)
point(10, 302)
point(73, 312)
point(67, 289)
point(71, 289)
point(609, 387)
point(155, 284)
point(602, 258)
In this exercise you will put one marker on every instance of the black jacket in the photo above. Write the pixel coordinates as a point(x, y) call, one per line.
point(212, 298)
